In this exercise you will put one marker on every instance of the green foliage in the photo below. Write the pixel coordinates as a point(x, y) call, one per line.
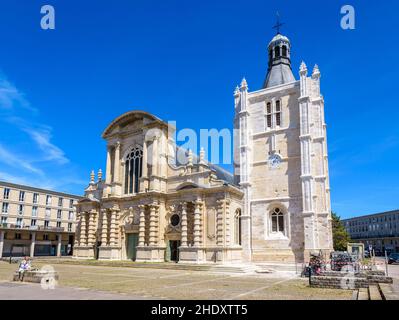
point(340, 235)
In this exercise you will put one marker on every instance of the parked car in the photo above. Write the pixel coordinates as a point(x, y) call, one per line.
point(393, 258)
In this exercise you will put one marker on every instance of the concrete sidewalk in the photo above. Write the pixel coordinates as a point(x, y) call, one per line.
point(29, 291)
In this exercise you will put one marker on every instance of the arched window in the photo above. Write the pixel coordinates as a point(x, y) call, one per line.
point(277, 52)
point(277, 221)
point(284, 51)
point(237, 227)
point(133, 170)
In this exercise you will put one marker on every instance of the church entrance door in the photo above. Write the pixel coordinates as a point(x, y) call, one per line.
point(131, 248)
point(174, 250)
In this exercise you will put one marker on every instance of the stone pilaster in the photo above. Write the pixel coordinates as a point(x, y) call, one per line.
point(104, 228)
point(113, 229)
point(184, 225)
point(153, 225)
point(117, 161)
point(142, 225)
point(83, 226)
point(219, 222)
point(91, 237)
point(197, 223)
point(227, 223)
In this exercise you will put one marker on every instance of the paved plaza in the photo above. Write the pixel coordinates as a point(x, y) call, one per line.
point(107, 282)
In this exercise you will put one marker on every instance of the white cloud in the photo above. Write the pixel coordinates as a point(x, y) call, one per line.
point(10, 97)
point(12, 160)
point(51, 152)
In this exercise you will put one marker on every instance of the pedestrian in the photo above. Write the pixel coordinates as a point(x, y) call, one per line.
point(24, 265)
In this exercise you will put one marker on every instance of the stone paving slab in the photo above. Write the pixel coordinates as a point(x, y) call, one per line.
point(29, 291)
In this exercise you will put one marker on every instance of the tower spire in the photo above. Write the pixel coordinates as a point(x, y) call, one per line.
point(278, 23)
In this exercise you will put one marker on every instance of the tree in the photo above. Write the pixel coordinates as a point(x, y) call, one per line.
point(340, 235)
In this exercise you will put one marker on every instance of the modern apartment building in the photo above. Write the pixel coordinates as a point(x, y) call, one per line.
point(36, 222)
point(379, 231)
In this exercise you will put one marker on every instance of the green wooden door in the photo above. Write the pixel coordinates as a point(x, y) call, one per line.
point(132, 241)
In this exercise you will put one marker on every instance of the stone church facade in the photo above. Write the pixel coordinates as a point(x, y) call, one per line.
point(159, 202)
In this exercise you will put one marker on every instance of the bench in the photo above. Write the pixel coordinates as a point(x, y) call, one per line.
point(36, 276)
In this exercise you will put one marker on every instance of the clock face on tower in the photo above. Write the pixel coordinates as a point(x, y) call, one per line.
point(274, 161)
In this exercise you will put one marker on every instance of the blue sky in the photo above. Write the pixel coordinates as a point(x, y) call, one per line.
point(181, 60)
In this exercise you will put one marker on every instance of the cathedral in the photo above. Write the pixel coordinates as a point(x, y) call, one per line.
point(159, 202)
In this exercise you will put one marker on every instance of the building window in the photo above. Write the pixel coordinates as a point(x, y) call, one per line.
point(70, 215)
point(34, 211)
point(133, 170)
point(60, 201)
point(33, 222)
point(175, 220)
point(35, 198)
point(17, 236)
point(45, 237)
point(277, 221)
point(19, 223)
point(71, 203)
point(20, 209)
point(46, 223)
point(237, 227)
point(6, 193)
point(284, 51)
point(22, 196)
point(59, 214)
point(4, 208)
point(58, 224)
point(278, 113)
point(277, 52)
point(273, 114)
point(3, 220)
point(48, 200)
point(269, 114)
point(48, 212)
point(69, 227)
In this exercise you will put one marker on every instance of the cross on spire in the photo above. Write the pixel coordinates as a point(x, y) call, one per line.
point(278, 23)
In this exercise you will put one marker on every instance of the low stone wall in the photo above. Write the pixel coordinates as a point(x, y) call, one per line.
point(342, 280)
point(36, 276)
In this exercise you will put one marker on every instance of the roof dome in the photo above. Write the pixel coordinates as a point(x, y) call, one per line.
point(278, 38)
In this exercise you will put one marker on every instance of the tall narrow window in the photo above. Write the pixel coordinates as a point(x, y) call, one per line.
point(277, 52)
point(21, 195)
point(4, 208)
point(133, 170)
point(269, 114)
point(277, 221)
point(48, 200)
point(35, 198)
point(278, 113)
point(237, 227)
point(6, 194)
point(284, 49)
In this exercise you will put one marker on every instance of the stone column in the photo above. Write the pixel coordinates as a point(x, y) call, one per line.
point(117, 161)
point(112, 238)
point(197, 224)
point(142, 226)
point(104, 228)
point(83, 233)
point(145, 160)
point(227, 223)
point(184, 225)
point(108, 167)
point(219, 223)
point(1, 243)
point(59, 245)
point(32, 244)
point(91, 237)
point(153, 225)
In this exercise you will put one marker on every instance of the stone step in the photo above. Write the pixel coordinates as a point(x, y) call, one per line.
point(363, 294)
point(374, 293)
